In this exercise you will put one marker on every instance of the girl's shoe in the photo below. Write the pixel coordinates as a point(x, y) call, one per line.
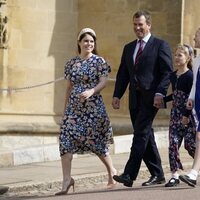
point(68, 187)
point(172, 182)
point(186, 179)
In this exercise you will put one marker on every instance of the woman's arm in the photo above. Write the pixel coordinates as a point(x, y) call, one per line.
point(102, 84)
point(68, 91)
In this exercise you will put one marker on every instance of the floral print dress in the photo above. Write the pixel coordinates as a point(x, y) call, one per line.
point(181, 86)
point(85, 126)
point(177, 132)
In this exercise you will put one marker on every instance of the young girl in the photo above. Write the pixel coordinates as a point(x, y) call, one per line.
point(181, 81)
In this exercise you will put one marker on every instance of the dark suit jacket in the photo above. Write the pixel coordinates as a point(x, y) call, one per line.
point(152, 72)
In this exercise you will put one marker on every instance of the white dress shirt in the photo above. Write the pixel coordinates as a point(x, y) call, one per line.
point(144, 40)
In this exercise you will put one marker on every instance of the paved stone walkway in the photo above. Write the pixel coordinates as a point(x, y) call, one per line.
point(89, 173)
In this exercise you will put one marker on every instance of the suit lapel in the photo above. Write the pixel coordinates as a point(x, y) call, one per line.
point(147, 46)
point(131, 52)
point(132, 49)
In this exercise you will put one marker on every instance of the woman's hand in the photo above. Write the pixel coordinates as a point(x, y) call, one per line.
point(86, 94)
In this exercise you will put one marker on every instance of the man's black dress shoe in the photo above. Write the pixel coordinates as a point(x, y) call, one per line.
point(172, 182)
point(154, 180)
point(186, 179)
point(124, 178)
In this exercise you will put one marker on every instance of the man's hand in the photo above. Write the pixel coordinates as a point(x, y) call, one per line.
point(158, 101)
point(116, 103)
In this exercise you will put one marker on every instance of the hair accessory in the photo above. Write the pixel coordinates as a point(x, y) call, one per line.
point(86, 30)
point(190, 49)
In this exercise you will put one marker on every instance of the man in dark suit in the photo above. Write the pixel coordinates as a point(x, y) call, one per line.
point(146, 64)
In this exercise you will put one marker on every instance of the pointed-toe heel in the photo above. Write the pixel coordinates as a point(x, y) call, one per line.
point(71, 184)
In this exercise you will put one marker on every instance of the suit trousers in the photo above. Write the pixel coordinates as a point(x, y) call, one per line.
point(143, 145)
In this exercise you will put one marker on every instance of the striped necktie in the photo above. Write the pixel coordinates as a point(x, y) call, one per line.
point(139, 52)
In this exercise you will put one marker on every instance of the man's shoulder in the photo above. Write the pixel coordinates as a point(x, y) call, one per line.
point(130, 44)
point(157, 39)
point(153, 39)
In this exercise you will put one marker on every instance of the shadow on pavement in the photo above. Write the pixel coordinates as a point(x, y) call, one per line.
point(116, 189)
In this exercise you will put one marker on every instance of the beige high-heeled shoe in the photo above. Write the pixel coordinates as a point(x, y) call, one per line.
point(72, 182)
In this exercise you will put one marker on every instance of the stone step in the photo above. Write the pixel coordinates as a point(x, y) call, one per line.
point(50, 152)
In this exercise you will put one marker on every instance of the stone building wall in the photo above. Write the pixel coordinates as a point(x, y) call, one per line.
point(112, 21)
point(42, 36)
point(191, 21)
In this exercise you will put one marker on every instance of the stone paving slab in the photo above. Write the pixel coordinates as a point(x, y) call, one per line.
point(88, 172)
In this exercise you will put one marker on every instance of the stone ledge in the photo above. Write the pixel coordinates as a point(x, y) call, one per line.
point(27, 155)
point(50, 152)
point(121, 126)
point(123, 143)
point(6, 158)
point(28, 127)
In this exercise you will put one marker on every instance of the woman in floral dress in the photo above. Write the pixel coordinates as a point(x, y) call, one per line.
point(181, 81)
point(86, 126)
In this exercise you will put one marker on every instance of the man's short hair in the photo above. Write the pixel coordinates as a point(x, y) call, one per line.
point(144, 13)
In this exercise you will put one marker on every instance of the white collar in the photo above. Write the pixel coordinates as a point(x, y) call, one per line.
point(146, 38)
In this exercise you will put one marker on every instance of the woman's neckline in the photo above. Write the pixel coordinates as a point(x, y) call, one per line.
point(85, 58)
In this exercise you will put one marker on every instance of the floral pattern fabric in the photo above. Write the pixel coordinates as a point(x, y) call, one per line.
point(86, 125)
point(177, 132)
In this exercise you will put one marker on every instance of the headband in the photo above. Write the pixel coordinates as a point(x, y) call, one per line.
point(86, 30)
point(190, 49)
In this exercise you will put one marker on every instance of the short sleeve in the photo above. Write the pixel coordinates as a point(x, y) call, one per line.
point(67, 70)
point(103, 68)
